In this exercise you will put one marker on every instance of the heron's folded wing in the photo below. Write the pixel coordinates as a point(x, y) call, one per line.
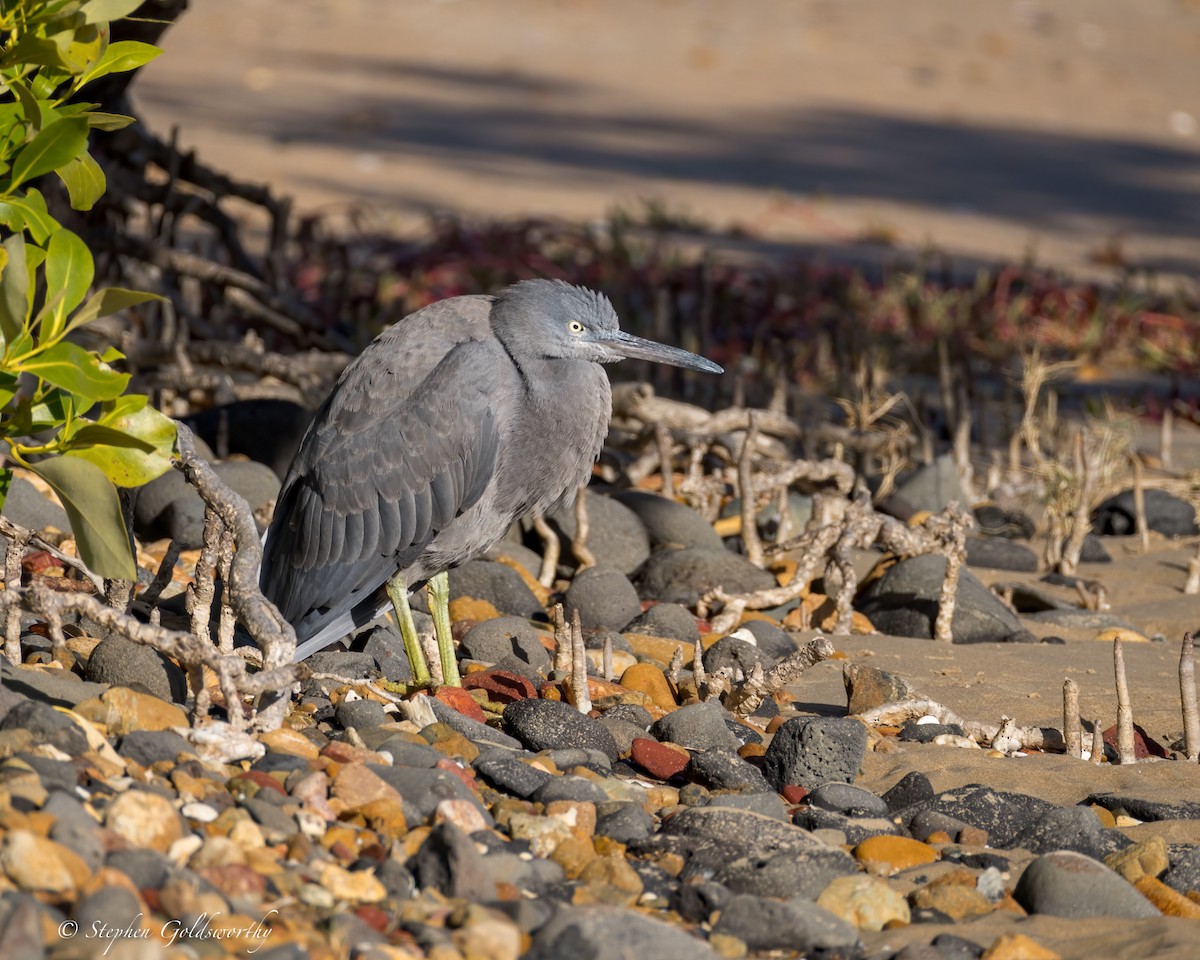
point(380, 473)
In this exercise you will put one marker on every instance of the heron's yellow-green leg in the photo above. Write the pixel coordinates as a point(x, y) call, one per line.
point(397, 591)
point(439, 606)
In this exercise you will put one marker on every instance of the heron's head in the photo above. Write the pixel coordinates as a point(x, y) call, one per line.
point(551, 319)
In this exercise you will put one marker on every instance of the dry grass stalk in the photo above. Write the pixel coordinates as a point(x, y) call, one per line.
point(1072, 731)
point(1187, 699)
point(1125, 741)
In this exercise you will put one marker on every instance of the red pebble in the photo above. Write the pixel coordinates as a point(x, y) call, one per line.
point(460, 700)
point(794, 793)
point(502, 686)
point(465, 774)
point(657, 760)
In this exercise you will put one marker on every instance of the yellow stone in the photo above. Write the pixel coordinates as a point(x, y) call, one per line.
point(648, 679)
point(957, 901)
point(1126, 636)
point(1170, 902)
point(489, 939)
point(573, 855)
point(865, 901)
point(1104, 815)
point(37, 864)
point(817, 611)
point(122, 710)
point(1017, 946)
point(1145, 859)
point(612, 880)
point(731, 948)
point(468, 608)
point(894, 853)
point(145, 819)
point(352, 886)
point(291, 742)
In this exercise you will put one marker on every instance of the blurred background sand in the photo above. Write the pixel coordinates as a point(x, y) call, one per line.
point(1065, 130)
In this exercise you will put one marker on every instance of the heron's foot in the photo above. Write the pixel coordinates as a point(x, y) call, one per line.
point(397, 591)
point(439, 606)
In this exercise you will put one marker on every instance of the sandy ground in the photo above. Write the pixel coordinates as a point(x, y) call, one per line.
point(991, 130)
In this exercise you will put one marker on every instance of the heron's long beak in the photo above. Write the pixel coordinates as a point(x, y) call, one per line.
point(624, 344)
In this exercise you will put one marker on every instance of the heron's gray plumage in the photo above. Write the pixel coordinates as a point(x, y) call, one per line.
point(452, 424)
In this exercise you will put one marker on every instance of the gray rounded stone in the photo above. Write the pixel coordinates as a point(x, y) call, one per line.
point(848, 799)
point(997, 553)
point(46, 725)
point(611, 933)
point(808, 751)
point(669, 620)
point(767, 924)
point(123, 663)
point(169, 506)
point(448, 861)
point(670, 524)
point(735, 655)
point(1069, 828)
point(1069, 884)
point(904, 602)
point(152, 746)
point(493, 640)
point(26, 506)
point(1166, 513)
point(496, 583)
point(604, 599)
point(265, 429)
point(623, 821)
point(616, 537)
point(360, 714)
point(683, 576)
point(696, 726)
point(772, 641)
point(577, 789)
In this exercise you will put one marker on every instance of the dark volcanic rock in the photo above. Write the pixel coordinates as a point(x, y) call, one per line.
point(802, 874)
point(1070, 828)
point(904, 602)
point(1002, 814)
point(150, 746)
point(808, 751)
point(912, 789)
point(170, 507)
point(1165, 513)
point(551, 724)
point(498, 584)
point(722, 769)
point(604, 599)
point(360, 714)
point(772, 640)
point(1068, 884)
point(1184, 874)
point(383, 642)
point(512, 776)
point(928, 732)
point(1145, 808)
point(683, 576)
point(994, 521)
point(670, 524)
point(423, 789)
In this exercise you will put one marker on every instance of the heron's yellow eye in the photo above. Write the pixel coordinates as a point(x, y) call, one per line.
point(575, 326)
